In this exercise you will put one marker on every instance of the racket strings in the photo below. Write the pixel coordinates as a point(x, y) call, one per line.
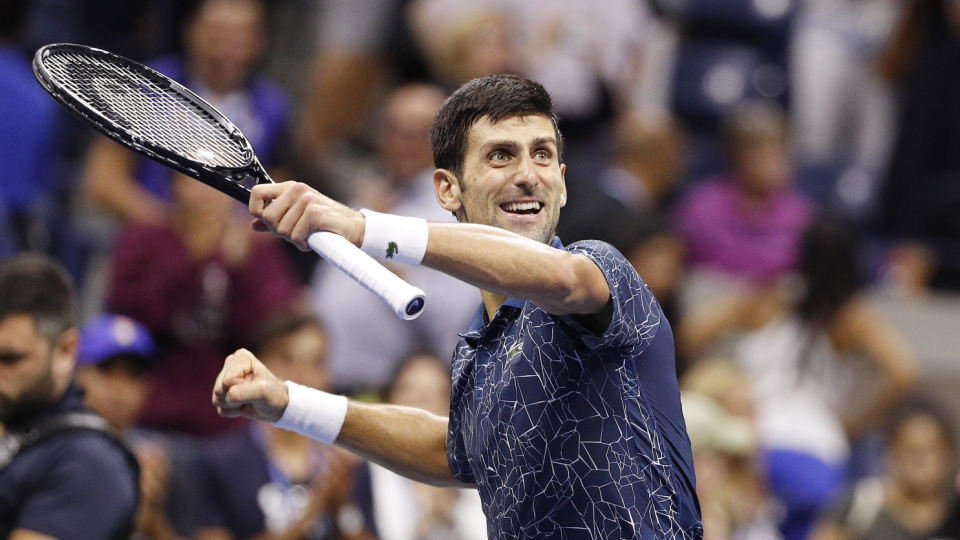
point(156, 114)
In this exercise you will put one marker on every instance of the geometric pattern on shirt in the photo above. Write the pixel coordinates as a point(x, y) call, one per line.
point(559, 438)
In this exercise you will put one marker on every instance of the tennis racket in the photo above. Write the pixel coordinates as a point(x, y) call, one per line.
point(161, 119)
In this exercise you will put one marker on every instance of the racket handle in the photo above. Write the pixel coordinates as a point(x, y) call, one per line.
point(404, 299)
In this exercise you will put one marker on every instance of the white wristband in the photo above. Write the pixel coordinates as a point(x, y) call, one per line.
point(313, 413)
point(398, 238)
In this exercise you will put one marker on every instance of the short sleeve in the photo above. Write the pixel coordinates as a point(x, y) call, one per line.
point(88, 492)
point(636, 313)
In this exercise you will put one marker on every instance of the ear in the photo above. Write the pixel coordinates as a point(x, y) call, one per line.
point(65, 354)
point(447, 189)
point(563, 179)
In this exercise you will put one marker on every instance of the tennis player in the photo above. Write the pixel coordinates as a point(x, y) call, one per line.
point(565, 409)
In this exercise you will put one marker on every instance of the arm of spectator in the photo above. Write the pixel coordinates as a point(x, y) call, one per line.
point(829, 530)
point(698, 330)
point(108, 181)
point(343, 86)
point(24, 534)
point(860, 328)
point(897, 56)
point(408, 441)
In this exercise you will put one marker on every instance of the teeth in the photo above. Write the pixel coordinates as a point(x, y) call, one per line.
point(519, 207)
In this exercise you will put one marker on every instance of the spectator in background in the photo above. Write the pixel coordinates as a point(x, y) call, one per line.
point(113, 363)
point(203, 283)
point(917, 492)
point(27, 122)
point(474, 41)
point(842, 112)
point(367, 340)
point(920, 200)
point(795, 337)
point(744, 227)
point(397, 508)
point(62, 474)
point(718, 408)
point(632, 193)
point(351, 66)
point(587, 55)
point(291, 487)
point(223, 41)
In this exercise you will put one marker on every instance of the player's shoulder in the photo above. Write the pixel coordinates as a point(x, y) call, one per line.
point(593, 246)
point(608, 258)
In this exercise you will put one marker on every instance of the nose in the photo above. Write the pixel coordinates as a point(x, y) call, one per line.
point(526, 173)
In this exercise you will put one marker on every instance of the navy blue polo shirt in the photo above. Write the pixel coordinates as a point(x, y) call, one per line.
point(71, 486)
point(568, 434)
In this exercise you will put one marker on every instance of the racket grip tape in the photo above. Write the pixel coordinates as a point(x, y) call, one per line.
point(404, 299)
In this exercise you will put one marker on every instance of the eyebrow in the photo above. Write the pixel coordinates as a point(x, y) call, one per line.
point(506, 143)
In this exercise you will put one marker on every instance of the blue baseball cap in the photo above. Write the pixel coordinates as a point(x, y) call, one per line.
point(107, 336)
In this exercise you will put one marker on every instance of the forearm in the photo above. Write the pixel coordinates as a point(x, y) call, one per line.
point(508, 264)
point(408, 441)
point(108, 181)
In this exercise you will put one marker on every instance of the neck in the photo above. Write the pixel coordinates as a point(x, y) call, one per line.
point(492, 302)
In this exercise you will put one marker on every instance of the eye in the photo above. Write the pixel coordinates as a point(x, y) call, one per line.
point(11, 358)
point(498, 155)
point(542, 154)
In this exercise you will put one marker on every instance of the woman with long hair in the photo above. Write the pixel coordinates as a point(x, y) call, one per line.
point(793, 337)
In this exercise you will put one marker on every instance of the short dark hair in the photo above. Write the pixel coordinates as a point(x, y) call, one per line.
point(494, 97)
point(36, 285)
point(283, 324)
point(920, 407)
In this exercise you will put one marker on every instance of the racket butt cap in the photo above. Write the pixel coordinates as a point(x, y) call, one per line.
point(414, 308)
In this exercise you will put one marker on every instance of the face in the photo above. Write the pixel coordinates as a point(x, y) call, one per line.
point(299, 357)
point(224, 41)
point(199, 200)
point(422, 383)
point(113, 392)
point(512, 178)
point(763, 167)
point(33, 370)
point(920, 457)
point(404, 144)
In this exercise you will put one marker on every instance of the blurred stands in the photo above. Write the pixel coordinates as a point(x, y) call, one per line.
point(867, 88)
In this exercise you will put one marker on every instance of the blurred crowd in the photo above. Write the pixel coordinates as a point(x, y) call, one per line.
point(769, 167)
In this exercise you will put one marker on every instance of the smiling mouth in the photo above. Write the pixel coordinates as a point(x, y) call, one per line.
point(522, 208)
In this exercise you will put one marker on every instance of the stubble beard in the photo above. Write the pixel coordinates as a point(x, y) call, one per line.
point(37, 395)
point(544, 233)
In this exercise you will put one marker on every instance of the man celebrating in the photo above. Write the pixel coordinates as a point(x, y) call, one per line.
point(62, 476)
point(565, 409)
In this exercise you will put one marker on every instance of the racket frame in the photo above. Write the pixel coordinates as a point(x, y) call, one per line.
point(228, 180)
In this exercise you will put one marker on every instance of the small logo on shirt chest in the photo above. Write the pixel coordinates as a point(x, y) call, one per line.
point(515, 350)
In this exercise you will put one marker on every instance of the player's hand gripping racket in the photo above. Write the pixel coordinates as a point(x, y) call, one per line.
point(164, 121)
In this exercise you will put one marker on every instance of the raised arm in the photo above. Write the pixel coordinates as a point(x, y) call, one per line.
point(861, 328)
point(408, 441)
point(497, 261)
point(108, 180)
